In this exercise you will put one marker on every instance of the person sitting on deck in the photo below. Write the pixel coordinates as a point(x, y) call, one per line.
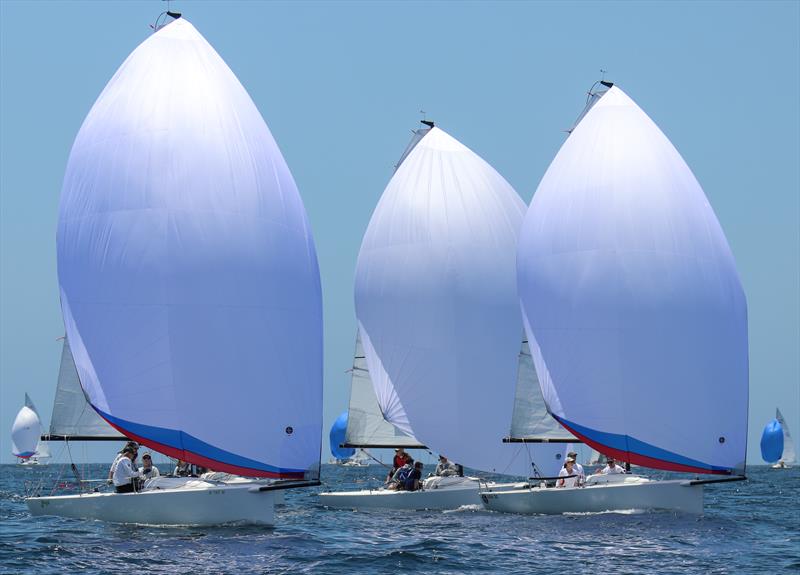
point(182, 469)
point(398, 480)
point(400, 459)
point(125, 476)
point(568, 476)
point(148, 470)
point(611, 467)
point(412, 481)
point(444, 468)
point(577, 468)
point(132, 445)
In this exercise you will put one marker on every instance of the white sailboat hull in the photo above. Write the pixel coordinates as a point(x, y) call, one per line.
point(199, 503)
point(444, 493)
point(625, 494)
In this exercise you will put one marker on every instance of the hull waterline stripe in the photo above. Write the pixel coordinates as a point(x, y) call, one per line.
point(161, 440)
point(612, 444)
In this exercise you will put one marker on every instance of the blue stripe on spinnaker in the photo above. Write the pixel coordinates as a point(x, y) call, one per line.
point(626, 443)
point(182, 441)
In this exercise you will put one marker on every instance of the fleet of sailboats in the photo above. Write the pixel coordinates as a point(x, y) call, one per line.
point(610, 312)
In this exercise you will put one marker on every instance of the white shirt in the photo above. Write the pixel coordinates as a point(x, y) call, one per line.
point(152, 472)
point(577, 469)
point(114, 465)
point(611, 470)
point(568, 481)
point(124, 472)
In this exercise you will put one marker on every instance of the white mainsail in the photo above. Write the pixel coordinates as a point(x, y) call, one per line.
point(436, 300)
point(632, 303)
point(366, 424)
point(73, 417)
point(789, 453)
point(189, 280)
point(530, 420)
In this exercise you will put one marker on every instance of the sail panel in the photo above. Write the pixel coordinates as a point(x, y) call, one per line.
point(189, 279)
point(789, 453)
point(531, 419)
point(633, 301)
point(72, 414)
point(436, 296)
point(366, 423)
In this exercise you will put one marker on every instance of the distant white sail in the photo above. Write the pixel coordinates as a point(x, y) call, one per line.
point(634, 310)
point(789, 453)
point(72, 414)
point(25, 431)
point(436, 298)
point(189, 280)
point(366, 424)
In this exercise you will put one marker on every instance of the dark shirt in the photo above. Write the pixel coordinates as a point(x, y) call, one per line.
point(413, 477)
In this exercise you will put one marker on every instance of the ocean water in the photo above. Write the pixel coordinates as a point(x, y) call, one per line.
point(749, 527)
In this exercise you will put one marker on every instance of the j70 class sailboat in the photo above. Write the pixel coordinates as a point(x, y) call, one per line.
point(635, 314)
point(26, 444)
point(438, 322)
point(190, 289)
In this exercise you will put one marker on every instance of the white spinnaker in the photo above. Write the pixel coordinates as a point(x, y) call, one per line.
point(367, 425)
point(25, 432)
point(189, 280)
point(436, 296)
point(632, 302)
point(789, 453)
point(72, 414)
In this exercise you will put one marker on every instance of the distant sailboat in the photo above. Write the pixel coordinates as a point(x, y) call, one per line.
point(190, 288)
point(26, 430)
point(777, 445)
point(635, 315)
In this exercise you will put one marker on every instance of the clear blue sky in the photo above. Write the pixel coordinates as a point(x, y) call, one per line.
point(341, 85)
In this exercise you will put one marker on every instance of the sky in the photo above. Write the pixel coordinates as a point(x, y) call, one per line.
point(342, 84)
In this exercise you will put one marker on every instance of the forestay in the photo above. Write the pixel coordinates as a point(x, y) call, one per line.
point(366, 424)
point(72, 414)
point(632, 302)
point(436, 300)
point(189, 280)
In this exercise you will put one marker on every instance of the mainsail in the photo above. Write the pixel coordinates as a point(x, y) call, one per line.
point(366, 424)
point(789, 453)
point(436, 300)
point(634, 310)
point(189, 280)
point(73, 417)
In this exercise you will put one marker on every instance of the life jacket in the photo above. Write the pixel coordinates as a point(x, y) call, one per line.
point(404, 473)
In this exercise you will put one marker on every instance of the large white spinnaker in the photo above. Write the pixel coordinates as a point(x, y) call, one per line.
point(189, 279)
point(789, 453)
point(632, 302)
point(436, 300)
point(25, 431)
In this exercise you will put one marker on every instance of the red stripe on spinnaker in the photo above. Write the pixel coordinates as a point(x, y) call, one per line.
point(643, 460)
point(197, 459)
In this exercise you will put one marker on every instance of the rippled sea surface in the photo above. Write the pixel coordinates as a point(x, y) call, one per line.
point(748, 527)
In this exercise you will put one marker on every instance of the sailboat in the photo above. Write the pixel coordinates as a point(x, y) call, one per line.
point(777, 445)
point(438, 317)
point(635, 315)
point(26, 445)
point(190, 289)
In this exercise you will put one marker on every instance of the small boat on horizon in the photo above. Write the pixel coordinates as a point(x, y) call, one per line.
point(777, 445)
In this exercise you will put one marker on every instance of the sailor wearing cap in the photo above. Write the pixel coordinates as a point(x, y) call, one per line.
point(567, 476)
point(130, 445)
point(125, 474)
point(578, 467)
